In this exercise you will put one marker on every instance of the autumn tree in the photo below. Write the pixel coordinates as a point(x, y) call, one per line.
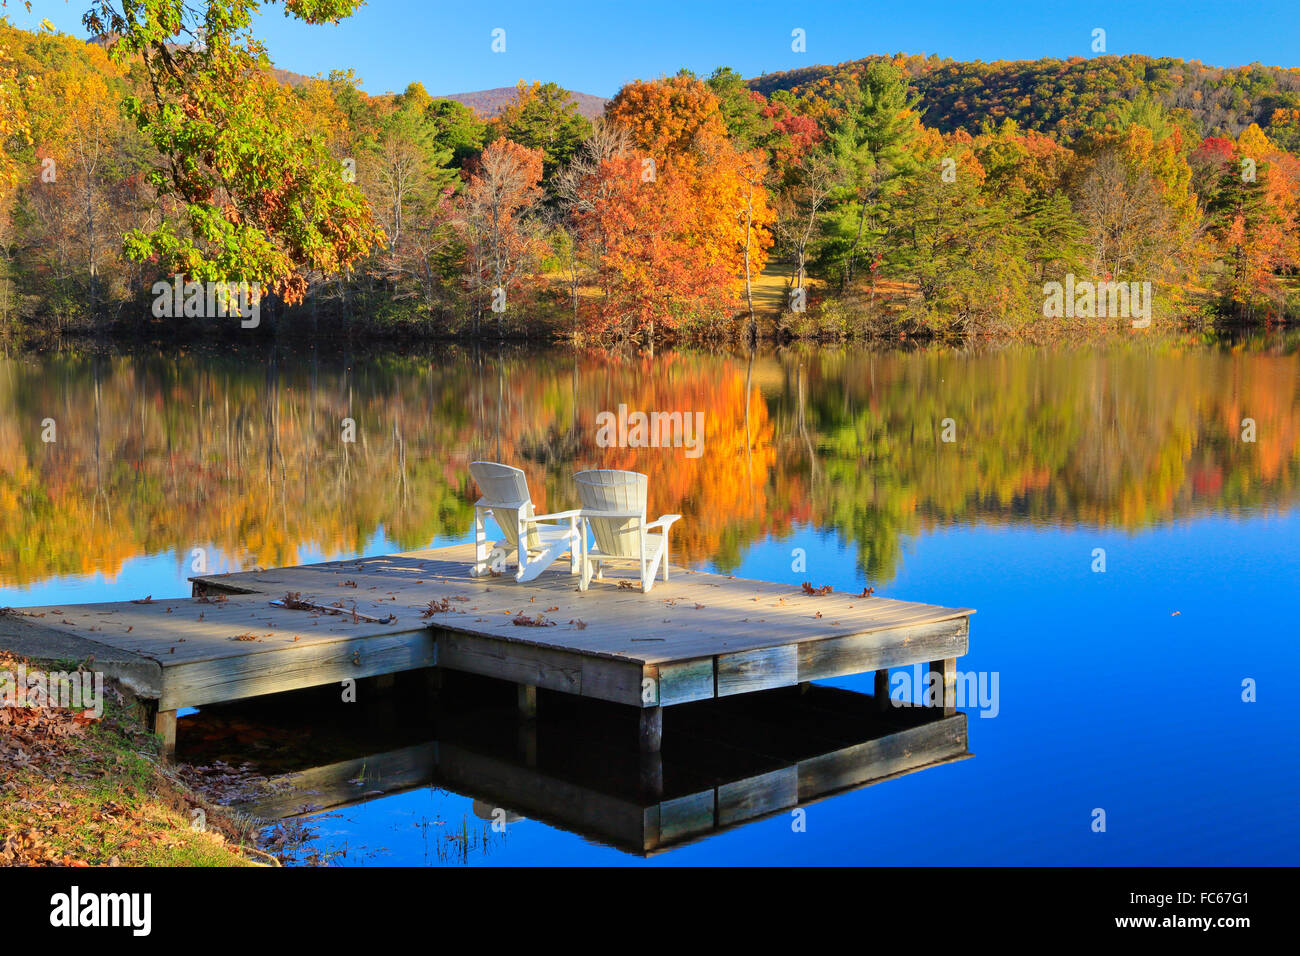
point(85, 150)
point(810, 182)
point(1251, 193)
point(14, 121)
point(543, 116)
point(15, 135)
point(1027, 173)
point(403, 172)
point(579, 189)
point(1132, 191)
point(494, 217)
point(659, 280)
point(716, 202)
point(669, 118)
point(256, 197)
point(405, 166)
point(958, 245)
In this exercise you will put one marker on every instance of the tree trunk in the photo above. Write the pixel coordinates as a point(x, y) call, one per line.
point(749, 289)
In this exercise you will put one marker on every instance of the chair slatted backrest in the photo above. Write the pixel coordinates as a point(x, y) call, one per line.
point(604, 489)
point(505, 489)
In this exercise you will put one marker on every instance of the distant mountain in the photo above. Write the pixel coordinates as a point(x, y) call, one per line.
point(488, 103)
point(1062, 97)
point(289, 78)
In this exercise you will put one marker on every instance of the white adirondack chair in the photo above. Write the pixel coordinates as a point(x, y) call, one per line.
point(538, 540)
point(613, 508)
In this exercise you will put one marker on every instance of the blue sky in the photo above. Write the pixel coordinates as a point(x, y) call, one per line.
point(596, 47)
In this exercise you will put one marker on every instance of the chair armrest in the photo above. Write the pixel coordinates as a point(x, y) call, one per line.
point(665, 522)
point(589, 513)
point(559, 515)
point(485, 504)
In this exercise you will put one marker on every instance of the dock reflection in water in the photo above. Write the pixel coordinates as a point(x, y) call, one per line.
point(724, 763)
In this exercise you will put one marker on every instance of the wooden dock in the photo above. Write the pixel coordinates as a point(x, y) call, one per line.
point(695, 637)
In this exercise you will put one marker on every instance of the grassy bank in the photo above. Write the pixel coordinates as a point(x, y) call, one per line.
point(81, 792)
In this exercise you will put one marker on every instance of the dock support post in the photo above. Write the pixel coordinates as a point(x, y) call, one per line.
point(164, 725)
point(652, 729)
point(527, 739)
point(882, 689)
point(652, 775)
point(527, 701)
point(948, 669)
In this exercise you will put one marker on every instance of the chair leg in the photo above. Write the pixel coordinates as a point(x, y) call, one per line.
point(523, 548)
point(584, 564)
point(480, 546)
point(650, 570)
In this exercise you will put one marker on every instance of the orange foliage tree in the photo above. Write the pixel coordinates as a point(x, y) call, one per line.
point(684, 215)
point(654, 268)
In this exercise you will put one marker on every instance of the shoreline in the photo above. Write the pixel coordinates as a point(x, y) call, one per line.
point(78, 791)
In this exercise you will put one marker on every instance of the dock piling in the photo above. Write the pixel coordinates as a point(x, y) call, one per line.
point(948, 668)
point(882, 689)
point(164, 725)
point(527, 701)
point(652, 729)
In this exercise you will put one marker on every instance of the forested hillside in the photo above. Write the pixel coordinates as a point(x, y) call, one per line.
point(1062, 98)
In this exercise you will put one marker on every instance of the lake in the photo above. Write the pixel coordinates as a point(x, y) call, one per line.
point(1125, 518)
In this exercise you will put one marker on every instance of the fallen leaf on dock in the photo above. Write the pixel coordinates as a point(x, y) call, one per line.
point(523, 620)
